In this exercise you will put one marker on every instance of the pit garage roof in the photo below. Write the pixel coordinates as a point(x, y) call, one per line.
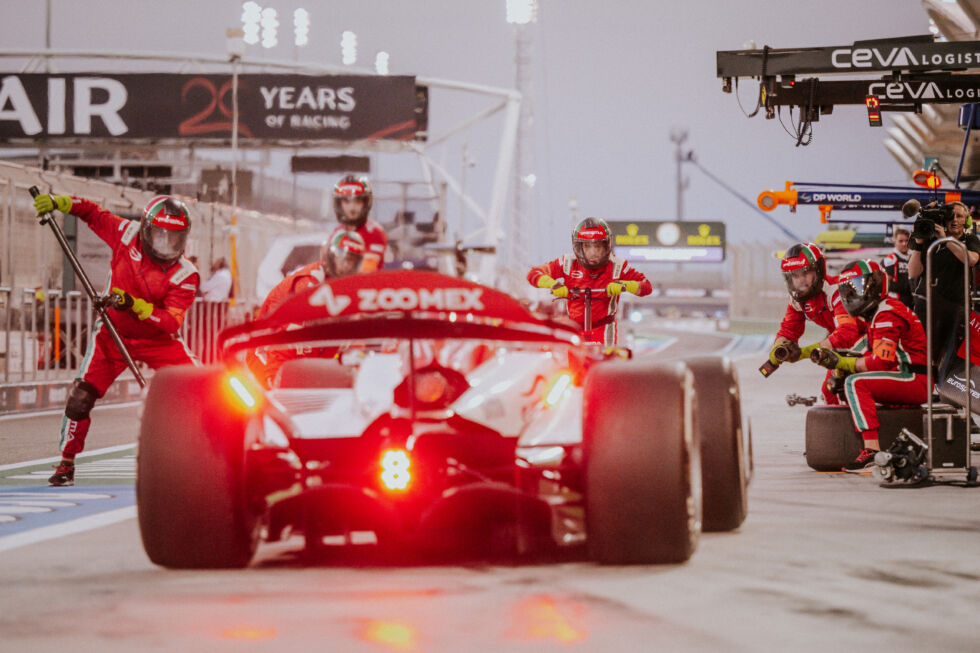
point(935, 132)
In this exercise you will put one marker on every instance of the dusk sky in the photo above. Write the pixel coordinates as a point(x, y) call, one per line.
point(610, 80)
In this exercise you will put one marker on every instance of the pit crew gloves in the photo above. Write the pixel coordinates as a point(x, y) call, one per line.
point(616, 287)
point(805, 351)
point(140, 307)
point(833, 361)
point(560, 291)
point(45, 204)
point(544, 281)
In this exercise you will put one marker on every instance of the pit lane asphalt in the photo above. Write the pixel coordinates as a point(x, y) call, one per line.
point(822, 561)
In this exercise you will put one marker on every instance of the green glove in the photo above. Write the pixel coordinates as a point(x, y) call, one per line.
point(140, 307)
point(560, 291)
point(544, 281)
point(45, 204)
point(833, 361)
point(805, 351)
point(614, 288)
point(772, 352)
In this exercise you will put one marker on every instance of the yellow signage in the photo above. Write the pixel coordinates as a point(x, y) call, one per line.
point(633, 236)
point(704, 237)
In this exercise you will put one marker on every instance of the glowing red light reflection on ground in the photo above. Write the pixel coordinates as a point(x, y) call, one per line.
point(394, 635)
point(542, 617)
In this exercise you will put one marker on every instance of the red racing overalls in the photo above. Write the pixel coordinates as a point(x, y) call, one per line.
point(154, 341)
point(265, 363)
point(375, 243)
point(896, 361)
point(825, 310)
point(574, 275)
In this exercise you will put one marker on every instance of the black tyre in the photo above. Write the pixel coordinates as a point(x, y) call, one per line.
point(642, 467)
point(832, 442)
point(313, 373)
point(724, 477)
point(190, 478)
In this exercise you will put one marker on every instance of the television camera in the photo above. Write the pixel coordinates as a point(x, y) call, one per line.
point(926, 219)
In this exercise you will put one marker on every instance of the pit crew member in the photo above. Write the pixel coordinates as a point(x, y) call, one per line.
point(896, 266)
point(155, 285)
point(352, 201)
point(893, 369)
point(342, 255)
point(814, 297)
point(592, 266)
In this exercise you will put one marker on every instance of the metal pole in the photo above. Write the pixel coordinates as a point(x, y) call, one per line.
point(966, 320)
point(677, 137)
point(90, 291)
point(234, 176)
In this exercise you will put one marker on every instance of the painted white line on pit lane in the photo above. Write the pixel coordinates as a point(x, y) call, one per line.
point(110, 468)
point(79, 525)
point(59, 411)
point(54, 459)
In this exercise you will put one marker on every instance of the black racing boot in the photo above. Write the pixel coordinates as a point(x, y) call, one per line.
point(865, 459)
point(64, 474)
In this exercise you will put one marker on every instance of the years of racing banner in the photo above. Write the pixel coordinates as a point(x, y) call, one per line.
point(175, 107)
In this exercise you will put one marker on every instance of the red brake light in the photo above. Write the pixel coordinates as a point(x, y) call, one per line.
point(395, 474)
point(241, 394)
point(556, 389)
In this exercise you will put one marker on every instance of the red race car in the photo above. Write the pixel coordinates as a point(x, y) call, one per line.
point(446, 417)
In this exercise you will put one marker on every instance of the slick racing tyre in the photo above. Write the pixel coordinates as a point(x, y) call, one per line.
point(642, 466)
point(724, 477)
point(190, 473)
point(832, 442)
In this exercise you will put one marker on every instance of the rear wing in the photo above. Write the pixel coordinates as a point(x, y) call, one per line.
point(397, 304)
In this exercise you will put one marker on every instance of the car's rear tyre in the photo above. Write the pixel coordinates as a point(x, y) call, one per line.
point(313, 373)
point(642, 467)
point(190, 480)
point(832, 442)
point(724, 476)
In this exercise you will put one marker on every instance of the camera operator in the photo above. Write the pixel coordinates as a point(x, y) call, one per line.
point(936, 222)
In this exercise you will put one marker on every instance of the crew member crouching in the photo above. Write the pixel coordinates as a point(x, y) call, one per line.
point(893, 369)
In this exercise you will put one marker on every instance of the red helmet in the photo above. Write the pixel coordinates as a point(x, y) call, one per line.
point(342, 253)
point(164, 227)
point(801, 258)
point(862, 285)
point(357, 187)
point(592, 230)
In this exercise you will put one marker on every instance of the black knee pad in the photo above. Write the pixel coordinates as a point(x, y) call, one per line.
point(80, 400)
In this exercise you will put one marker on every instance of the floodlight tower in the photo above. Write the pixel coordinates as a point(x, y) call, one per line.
point(522, 14)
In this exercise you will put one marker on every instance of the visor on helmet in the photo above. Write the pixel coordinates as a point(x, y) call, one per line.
point(352, 188)
point(591, 243)
point(861, 286)
point(166, 245)
point(164, 228)
point(344, 253)
point(803, 271)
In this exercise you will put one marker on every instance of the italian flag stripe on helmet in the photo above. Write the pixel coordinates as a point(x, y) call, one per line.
point(811, 252)
point(864, 267)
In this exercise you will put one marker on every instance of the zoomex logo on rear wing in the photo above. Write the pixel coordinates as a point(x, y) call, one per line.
point(402, 291)
point(400, 299)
